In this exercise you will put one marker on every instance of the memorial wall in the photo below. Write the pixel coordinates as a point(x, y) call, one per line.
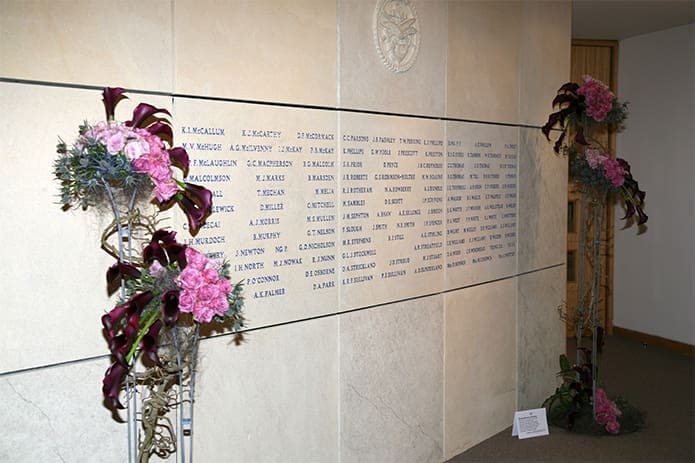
point(398, 225)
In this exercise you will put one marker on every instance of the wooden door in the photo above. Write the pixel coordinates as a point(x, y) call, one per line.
point(599, 59)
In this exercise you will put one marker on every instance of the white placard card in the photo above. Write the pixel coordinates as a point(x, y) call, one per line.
point(530, 423)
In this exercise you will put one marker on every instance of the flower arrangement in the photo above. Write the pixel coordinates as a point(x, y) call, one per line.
point(582, 108)
point(131, 156)
point(571, 406)
point(167, 289)
point(607, 412)
point(176, 279)
point(579, 402)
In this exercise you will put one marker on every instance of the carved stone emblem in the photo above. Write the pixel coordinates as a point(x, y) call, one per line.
point(396, 33)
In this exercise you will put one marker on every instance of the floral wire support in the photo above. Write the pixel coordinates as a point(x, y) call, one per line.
point(131, 391)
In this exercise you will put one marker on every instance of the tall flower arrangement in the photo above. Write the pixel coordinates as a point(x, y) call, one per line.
point(167, 289)
point(582, 110)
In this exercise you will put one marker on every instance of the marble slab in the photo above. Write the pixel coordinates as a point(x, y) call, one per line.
point(273, 172)
point(480, 378)
point(540, 333)
point(402, 33)
point(542, 202)
point(263, 50)
point(544, 58)
point(483, 60)
point(392, 208)
point(53, 268)
point(89, 42)
point(481, 203)
point(55, 415)
point(391, 383)
point(272, 398)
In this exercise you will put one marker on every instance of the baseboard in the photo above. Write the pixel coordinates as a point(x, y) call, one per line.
point(675, 346)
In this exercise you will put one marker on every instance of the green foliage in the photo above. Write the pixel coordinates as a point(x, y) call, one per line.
point(83, 170)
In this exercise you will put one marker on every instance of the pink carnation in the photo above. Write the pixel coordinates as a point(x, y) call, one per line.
point(613, 427)
point(115, 143)
point(186, 301)
point(607, 412)
point(136, 148)
point(156, 269)
point(196, 259)
point(594, 157)
point(190, 278)
point(614, 172)
point(203, 291)
point(598, 98)
point(165, 190)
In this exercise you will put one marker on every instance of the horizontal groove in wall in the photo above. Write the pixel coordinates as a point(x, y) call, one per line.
point(293, 322)
point(266, 103)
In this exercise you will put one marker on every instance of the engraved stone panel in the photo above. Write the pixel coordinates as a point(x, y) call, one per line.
point(481, 202)
point(273, 172)
point(392, 199)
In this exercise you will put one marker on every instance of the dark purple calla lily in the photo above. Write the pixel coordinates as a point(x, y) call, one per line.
point(579, 136)
point(570, 87)
point(569, 102)
point(633, 196)
point(112, 384)
point(629, 209)
point(142, 112)
point(111, 97)
point(165, 249)
point(117, 346)
point(552, 120)
point(121, 270)
point(170, 307)
point(149, 342)
point(177, 253)
point(194, 214)
point(162, 130)
point(179, 158)
point(165, 236)
point(563, 98)
point(558, 143)
point(154, 251)
point(196, 203)
point(113, 316)
point(140, 300)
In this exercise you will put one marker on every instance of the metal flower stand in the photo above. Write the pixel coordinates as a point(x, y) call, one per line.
point(592, 211)
point(155, 392)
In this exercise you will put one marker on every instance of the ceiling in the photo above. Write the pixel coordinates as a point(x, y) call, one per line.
point(620, 19)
